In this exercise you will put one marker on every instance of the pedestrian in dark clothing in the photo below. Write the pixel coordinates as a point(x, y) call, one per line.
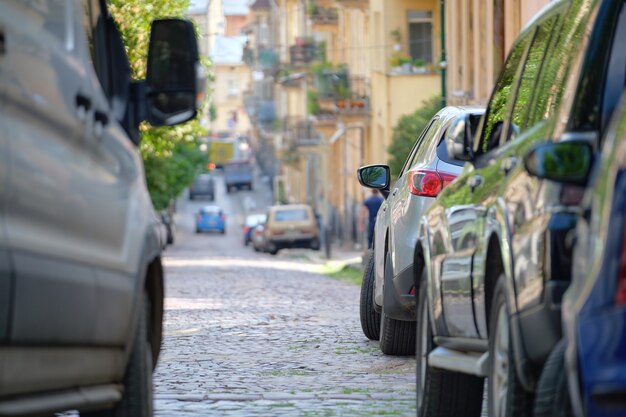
point(369, 211)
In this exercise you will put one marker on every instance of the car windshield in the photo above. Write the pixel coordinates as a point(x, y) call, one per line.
point(291, 215)
point(211, 210)
point(254, 220)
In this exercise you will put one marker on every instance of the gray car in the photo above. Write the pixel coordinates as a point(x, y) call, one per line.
point(81, 282)
point(387, 296)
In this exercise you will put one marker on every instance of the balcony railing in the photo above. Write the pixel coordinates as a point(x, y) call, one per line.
point(338, 93)
point(304, 52)
point(261, 111)
point(358, 98)
point(323, 15)
point(262, 58)
point(300, 132)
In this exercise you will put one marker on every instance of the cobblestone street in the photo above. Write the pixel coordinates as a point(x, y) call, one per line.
point(251, 334)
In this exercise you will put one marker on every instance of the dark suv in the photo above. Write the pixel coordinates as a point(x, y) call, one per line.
point(496, 247)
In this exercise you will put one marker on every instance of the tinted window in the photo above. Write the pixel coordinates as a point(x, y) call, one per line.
point(565, 48)
point(291, 215)
point(442, 154)
point(502, 96)
point(530, 73)
point(211, 210)
point(412, 157)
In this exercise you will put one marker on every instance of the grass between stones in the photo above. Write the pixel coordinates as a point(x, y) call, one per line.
point(343, 273)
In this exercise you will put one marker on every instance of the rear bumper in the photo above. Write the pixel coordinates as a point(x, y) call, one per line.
point(293, 242)
point(399, 303)
point(209, 227)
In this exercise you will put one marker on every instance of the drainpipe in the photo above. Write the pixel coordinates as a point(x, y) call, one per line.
point(444, 63)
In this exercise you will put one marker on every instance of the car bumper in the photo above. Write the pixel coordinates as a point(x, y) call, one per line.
point(292, 242)
point(209, 227)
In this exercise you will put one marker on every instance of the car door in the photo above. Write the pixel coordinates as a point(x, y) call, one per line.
point(6, 278)
point(467, 203)
point(120, 204)
point(47, 211)
point(384, 220)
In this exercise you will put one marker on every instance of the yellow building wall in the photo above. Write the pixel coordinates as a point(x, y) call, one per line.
point(225, 103)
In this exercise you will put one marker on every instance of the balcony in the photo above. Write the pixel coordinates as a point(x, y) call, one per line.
point(304, 52)
point(298, 132)
point(260, 111)
point(354, 4)
point(266, 59)
point(357, 99)
point(337, 93)
point(323, 18)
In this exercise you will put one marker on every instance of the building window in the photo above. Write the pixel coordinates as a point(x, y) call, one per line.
point(421, 35)
point(233, 88)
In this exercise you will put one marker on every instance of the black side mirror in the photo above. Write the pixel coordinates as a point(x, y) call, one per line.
point(374, 176)
point(174, 75)
point(566, 162)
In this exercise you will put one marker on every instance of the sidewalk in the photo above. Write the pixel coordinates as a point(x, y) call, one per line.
point(340, 258)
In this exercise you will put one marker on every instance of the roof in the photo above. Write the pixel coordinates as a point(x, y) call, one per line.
point(236, 7)
point(261, 4)
point(228, 49)
point(198, 7)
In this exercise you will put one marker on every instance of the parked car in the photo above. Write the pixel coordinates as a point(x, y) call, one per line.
point(592, 355)
point(211, 219)
point(387, 293)
point(258, 237)
point(203, 185)
point(170, 227)
point(251, 222)
point(160, 229)
point(238, 174)
point(81, 281)
point(291, 226)
point(495, 252)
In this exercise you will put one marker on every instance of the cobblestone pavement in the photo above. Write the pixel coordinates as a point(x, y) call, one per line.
point(248, 334)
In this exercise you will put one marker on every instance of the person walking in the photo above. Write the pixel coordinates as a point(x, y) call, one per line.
point(369, 210)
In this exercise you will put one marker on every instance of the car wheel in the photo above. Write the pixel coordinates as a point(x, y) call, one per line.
point(315, 244)
point(441, 393)
point(137, 399)
point(272, 249)
point(552, 395)
point(255, 248)
point(223, 231)
point(397, 337)
point(370, 318)
point(506, 397)
point(191, 196)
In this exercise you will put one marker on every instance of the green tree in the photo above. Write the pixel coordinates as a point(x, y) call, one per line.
point(171, 154)
point(406, 132)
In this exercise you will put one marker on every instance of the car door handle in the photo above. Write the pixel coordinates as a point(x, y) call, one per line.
point(474, 182)
point(83, 104)
point(395, 191)
point(508, 164)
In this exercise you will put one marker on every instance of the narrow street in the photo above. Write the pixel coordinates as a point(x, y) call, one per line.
point(251, 334)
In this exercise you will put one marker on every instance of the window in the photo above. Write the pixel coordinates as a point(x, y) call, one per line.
point(532, 67)
point(233, 88)
point(422, 140)
point(421, 35)
point(502, 96)
point(291, 215)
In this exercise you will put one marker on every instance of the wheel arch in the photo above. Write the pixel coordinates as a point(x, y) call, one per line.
point(155, 289)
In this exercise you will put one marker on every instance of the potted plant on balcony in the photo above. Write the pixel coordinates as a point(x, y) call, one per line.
point(420, 66)
point(400, 62)
point(343, 94)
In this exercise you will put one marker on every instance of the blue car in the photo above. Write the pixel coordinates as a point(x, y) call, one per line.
point(211, 219)
point(585, 374)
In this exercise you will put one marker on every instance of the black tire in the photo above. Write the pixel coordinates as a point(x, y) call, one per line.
point(552, 398)
point(137, 398)
point(198, 231)
point(315, 244)
point(223, 231)
point(516, 401)
point(192, 196)
point(397, 337)
point(370, 318)
point(441, 393)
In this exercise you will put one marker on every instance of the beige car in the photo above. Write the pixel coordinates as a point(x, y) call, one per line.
point(291, 226)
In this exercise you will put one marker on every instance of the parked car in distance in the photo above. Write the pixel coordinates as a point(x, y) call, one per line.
point(170, 227)
point(238, 174)
point(496, 244)
point(203, 185)
point(387, 293)
point(81, 280)
point(591, 358)
point(251, 222)
point(291, 226)
point(258, 237)
point(211, 219)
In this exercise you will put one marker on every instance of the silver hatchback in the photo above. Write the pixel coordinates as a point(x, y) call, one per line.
point(387, 294)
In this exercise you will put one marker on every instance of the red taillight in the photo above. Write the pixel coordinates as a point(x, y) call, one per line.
point(428, 183)
point(620, 294)
point(198, 216)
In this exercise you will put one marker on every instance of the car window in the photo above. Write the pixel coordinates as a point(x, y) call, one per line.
point(564, 49)
point(420, 145)
point(530, 73)
point(502, 96)
point(291, 215)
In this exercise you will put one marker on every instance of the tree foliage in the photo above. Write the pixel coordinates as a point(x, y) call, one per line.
point(406, 132)
point(171, 154)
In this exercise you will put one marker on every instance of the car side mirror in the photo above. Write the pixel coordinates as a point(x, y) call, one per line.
point(375, 176)
point(566, 162)
point(175, 79)
point(459, 139)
